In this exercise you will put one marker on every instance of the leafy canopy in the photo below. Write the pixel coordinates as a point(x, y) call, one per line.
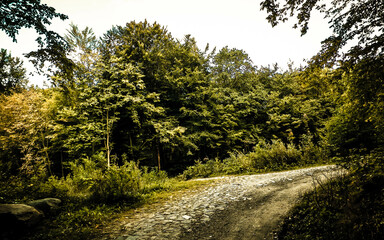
point(18, 14)
point(359, 22)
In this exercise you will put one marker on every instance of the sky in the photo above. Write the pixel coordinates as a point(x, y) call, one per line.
point(237, 24)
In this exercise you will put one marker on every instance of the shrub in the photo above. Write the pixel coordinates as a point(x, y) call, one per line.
point(264, 157)
point(236, 163)
point(117, 183)
point(154, 180)
point(274, 156)
point(200, 169)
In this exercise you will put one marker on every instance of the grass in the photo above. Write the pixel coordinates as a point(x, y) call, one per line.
point(93, 196)
point(86, 219)
point(275, 156)
point(349, 207)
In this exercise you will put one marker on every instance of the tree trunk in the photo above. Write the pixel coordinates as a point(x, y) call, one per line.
point(107, 143)
point(158, 157)
point(61, 162)
point(45, 149)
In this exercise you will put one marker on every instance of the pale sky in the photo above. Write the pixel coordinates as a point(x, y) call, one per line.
point(234, 23)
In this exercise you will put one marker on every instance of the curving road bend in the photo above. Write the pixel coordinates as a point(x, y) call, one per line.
point(232, 207)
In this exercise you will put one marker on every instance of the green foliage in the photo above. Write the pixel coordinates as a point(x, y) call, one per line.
point(204, 169)
point(274, 156)
point(30, 13)
point(349, 207)
point(16, 15)
point(232, 68)
point(83, 40)
point(265, 157)
point(172, 73)
point(117, 183)
point(12, 73)
point(138, 96)
point(350, 20)
point(25, 126)
point(92, 181)
point(358, 122)
point(159, 101)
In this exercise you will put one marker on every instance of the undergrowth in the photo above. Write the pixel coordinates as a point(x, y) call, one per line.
point(93, 194)
point(349, 207)
point(274, 156)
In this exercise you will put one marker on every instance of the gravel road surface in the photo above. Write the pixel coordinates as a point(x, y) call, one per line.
point(232, 207)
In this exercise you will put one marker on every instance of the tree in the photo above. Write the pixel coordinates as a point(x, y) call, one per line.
point(25, 125)
point(172, 71)
point(83, 50)
point(351, 20)
point(16, 14)
point(81, 40)
point(12, 73)
point(85, 56)
point(358, 124)
point(361, 23)
point(112, 95)
point(232, 68)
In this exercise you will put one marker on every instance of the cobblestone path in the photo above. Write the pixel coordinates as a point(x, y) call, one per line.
point(177, 217)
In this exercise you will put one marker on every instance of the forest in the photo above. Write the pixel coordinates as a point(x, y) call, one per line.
point(136, 112)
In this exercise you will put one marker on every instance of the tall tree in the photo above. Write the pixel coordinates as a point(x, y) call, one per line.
point(83, 40)
point(78, 133)
point(171, 70)
point(360, 23)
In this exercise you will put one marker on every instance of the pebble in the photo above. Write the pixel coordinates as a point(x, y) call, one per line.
point(177, 214)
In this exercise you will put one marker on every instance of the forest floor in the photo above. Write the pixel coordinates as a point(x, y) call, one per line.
point(230, 207)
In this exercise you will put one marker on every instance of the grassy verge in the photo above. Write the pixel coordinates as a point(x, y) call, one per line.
point(349, 207)
point(87, 208)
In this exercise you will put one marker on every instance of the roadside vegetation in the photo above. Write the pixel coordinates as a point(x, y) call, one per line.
point(348, 207)
point(129, 116)
point(275, 156)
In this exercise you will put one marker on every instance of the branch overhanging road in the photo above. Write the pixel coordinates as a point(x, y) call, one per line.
point(232, 207)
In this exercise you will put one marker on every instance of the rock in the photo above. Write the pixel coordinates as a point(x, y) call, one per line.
point(18, 215)
point(46, 205)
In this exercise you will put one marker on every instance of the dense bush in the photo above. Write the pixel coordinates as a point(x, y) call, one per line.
point(89, 181)
point(91, 194)
point(264, 157)
point(107, 185)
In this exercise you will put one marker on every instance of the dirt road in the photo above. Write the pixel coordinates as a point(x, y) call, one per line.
point(243, 207)
point(255, 218)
